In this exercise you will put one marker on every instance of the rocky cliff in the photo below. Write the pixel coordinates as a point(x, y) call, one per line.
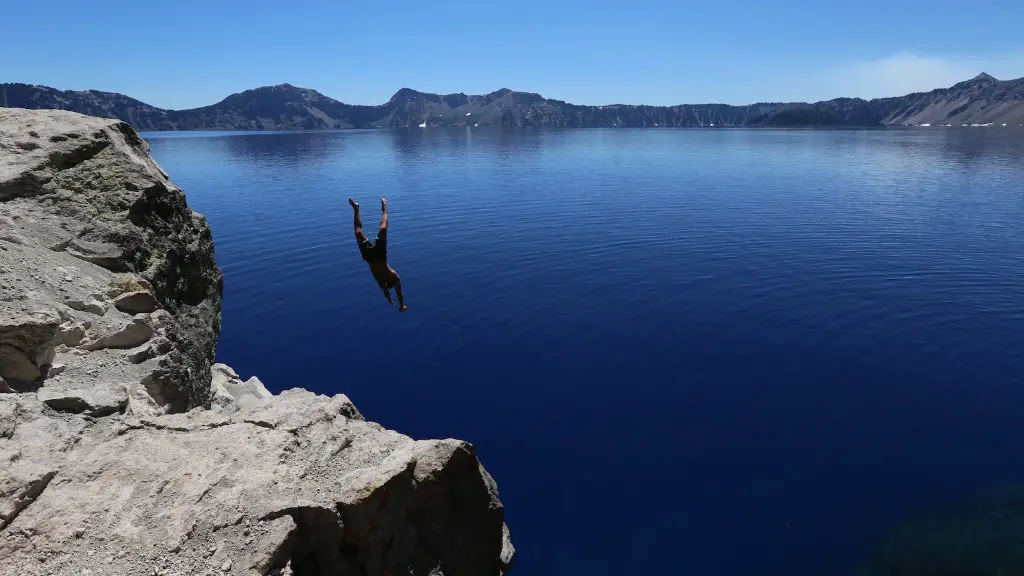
point(125, 450)
point(980, 100)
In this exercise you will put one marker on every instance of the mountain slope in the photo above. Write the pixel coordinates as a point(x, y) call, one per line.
point(91, 102)
point(980, 100)
point(276, 107)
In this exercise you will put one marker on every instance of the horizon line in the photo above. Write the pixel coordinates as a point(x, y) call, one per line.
point(289, 84)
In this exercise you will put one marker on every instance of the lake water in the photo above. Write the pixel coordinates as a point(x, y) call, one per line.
point(708, 352)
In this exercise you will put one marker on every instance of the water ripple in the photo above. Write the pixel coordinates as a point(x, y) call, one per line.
point(739, 313)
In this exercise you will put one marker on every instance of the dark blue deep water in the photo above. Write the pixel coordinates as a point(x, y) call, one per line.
point(678, 351)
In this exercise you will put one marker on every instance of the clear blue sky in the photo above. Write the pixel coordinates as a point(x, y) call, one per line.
point(188, 53)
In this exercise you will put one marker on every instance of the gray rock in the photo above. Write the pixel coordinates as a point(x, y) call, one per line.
point(141, 403)
point(91, 305)
point(100, 253)
point(299, 479)
point(123, 215)
point(8, 421)
point(155, 347)
point(229, 391)
point(26, 344)
point(136, 303)
point(134, 333)
point(72, 332)
point(96, 401)
point(20, 484)
point(255, 387)
point(508, 551)
point(16, 365)
point(31, 448)
point(161, 319)
point(12, 237)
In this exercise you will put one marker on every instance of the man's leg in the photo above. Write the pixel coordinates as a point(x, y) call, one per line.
point(357, 222)
point(387, 294)
point(398, 292)
point(382, 233)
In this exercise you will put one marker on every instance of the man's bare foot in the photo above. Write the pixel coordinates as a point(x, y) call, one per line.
point(403, 308)
point(383, 203)
point(354, 204)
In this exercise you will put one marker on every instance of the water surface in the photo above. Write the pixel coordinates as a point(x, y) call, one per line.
point(713, 352)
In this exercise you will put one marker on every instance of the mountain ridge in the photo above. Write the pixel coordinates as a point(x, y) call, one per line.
point(979, 100)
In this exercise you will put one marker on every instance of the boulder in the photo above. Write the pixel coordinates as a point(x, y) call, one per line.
point(136, 302)
point(155, 347)
point(133, 333)
point(91, 305)
point(230, 392)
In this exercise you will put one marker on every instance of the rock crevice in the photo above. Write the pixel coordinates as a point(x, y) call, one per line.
point(22, 494)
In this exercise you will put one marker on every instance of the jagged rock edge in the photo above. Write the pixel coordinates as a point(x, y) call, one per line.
point(29, 495)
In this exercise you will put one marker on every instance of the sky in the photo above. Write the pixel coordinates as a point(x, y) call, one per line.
point(188, 53)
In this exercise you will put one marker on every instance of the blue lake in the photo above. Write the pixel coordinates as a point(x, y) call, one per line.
point(708, 352)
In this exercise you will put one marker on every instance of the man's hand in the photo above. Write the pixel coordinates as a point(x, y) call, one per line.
point(383, 204)
point(353, 203)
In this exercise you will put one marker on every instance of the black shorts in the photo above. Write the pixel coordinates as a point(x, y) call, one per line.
point(376, 251)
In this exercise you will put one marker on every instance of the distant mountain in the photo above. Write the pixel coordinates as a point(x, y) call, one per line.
point(91, 102)
point(281, 107)
point(980, 100)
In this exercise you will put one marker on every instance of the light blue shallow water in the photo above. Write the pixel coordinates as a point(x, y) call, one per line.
point(678, 351)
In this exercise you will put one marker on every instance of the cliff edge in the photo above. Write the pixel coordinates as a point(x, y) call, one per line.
point(124, 449)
